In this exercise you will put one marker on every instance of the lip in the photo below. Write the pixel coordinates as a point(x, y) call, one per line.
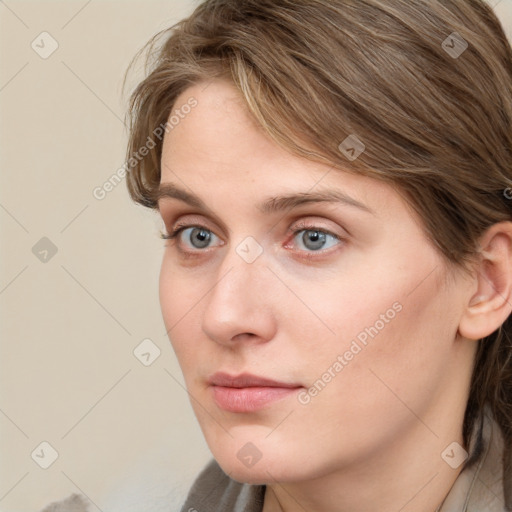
point(247, 392)
point(246, 380)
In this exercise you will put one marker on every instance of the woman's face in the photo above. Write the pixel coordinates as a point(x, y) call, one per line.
point(319, 280)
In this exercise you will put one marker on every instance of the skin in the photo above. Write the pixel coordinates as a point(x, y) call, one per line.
point(373, 437)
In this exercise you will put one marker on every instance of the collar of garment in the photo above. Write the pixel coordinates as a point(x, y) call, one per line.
point(479, 486)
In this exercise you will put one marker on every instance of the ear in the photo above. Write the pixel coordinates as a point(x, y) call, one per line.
point(491, 304)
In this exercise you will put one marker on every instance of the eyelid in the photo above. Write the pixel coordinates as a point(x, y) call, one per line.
point(187, 220)
point(191, 220)
point(304, 225)
point(292, 230)
point(172, 208)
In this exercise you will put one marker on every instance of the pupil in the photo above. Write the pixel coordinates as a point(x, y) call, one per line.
point(314, 239)
point(202, 237)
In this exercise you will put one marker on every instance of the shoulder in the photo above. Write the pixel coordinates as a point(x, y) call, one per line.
point(75, 503)
point(213, 490)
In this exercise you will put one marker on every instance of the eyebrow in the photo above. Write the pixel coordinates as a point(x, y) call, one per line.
point(271, 205)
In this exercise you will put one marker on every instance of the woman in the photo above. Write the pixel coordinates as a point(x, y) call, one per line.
point(334, 178)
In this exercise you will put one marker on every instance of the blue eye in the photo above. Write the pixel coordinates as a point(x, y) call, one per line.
point(310, 239)
point(198, 236)
point(314, 239)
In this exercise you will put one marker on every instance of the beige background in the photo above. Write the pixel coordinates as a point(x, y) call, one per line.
point(125, 433)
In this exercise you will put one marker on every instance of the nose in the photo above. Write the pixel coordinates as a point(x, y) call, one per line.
point(239, 307)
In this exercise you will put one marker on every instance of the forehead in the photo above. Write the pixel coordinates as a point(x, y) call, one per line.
point(218, 146)
point(209, 131)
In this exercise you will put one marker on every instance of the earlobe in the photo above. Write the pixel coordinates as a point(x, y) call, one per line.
point(491, 304)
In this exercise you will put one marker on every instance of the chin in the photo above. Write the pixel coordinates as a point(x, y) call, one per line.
point(277, 467)
point(249, 476)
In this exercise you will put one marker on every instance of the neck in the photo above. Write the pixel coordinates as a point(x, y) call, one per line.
point(408, 475)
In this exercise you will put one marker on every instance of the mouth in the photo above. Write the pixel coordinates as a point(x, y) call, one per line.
point(248, 393)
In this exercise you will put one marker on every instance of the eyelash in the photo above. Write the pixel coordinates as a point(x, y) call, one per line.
point(310, 255)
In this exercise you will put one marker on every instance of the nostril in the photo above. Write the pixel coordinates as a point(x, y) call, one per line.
point(243, 335)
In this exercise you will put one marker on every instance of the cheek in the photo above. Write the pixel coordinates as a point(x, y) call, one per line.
point(394, 347)
point(384, 323)
point(169, 291)
point(178, 297)
point(180, 289)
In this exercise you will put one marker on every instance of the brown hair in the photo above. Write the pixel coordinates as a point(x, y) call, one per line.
point(435, 117)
